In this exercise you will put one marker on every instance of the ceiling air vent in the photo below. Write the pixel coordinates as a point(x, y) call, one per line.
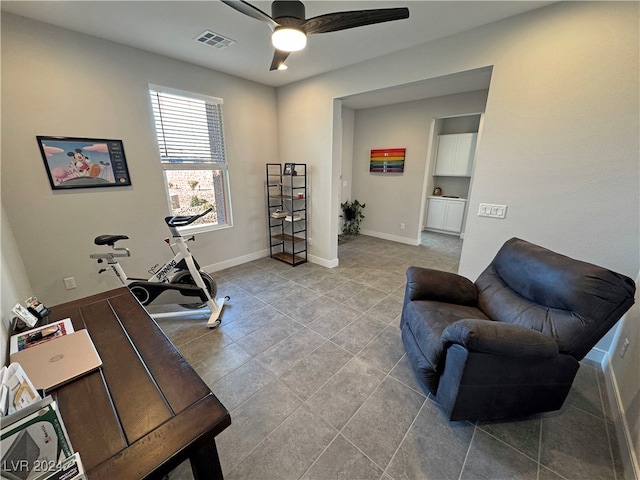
point(214, 39)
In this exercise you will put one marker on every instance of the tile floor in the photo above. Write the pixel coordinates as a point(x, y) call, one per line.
point(310, 363)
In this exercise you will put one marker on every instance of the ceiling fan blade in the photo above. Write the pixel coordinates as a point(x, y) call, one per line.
point(278, 59)
point(333, 22)
point(251, 11)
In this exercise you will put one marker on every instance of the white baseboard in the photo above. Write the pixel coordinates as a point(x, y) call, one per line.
point(630, 460)
point(393, 238)
point(215, 267)
point(597, 355)
point(323, 262)
point(445, 232)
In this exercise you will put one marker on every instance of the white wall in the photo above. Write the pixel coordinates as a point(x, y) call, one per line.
point(560, 134)
point(57, 82)
point(560, 138)
point(14, 286)
point(392, 199)
point(346, 171)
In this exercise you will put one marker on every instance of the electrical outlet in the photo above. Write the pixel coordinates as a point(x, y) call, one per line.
point(69, 283)
point(402, 226)
point(624, 347)
point(492, 210)
point(310, 241)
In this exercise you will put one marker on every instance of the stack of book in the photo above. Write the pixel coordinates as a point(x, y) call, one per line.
point(31, 338)
point(35, 445)
point(279, 214)
point(33, 439)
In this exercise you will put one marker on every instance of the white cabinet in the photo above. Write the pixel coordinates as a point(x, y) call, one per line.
point(455, 154)
point(445, 214)
point(454, 215)
point(436, 212)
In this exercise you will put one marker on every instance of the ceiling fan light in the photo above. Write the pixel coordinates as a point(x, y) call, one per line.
point(288, 39)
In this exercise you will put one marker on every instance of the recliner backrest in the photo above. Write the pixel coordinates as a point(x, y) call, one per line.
point(574, 301)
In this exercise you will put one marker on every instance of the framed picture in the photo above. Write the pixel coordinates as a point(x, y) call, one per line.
point(84, 162)
point(387, 160)
point(289, 169)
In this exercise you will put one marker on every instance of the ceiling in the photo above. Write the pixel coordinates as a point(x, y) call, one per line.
point(469, 81)
point(170, 27)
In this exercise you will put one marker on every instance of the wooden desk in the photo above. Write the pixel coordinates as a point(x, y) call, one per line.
point(146, 410)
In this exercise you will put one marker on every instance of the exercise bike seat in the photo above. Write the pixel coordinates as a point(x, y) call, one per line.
point(109, 239)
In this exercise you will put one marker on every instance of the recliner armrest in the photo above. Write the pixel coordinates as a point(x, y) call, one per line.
point(440, 286)
point(487, 336)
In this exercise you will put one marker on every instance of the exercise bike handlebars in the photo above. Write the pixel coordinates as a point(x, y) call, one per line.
point(183, 221)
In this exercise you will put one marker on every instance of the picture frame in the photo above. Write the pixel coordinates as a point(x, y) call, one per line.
point(75, 162)
point(387, 160)
point(289, 169)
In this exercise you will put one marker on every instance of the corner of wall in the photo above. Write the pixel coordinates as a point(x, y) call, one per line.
point(15, 286)
point(623, 431)
point(620, 368)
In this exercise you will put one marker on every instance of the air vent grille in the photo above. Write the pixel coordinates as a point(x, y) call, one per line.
point(214, 39)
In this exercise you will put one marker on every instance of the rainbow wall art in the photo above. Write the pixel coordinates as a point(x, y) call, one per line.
point(387, 160)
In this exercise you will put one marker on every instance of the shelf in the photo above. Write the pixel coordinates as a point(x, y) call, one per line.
point(442, 197)
point(287, 237)
point(451, 176)
point(285, 197)
point(289, 258)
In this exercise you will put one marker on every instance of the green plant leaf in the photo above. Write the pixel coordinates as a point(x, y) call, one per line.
point(352, 215)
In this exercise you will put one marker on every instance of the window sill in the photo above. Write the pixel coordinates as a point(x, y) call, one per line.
point(192, 230)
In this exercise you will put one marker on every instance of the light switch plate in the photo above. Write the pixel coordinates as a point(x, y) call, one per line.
point(492, 210)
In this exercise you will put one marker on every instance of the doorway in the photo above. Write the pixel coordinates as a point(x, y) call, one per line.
point(397, 116)
point(446, 249)
point(448, 177)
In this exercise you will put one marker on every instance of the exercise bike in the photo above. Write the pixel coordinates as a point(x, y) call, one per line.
point(180, 280)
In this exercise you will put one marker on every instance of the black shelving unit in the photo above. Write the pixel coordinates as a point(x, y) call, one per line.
point(287, 212)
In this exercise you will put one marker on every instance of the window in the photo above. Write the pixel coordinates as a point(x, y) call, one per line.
point(189, 130)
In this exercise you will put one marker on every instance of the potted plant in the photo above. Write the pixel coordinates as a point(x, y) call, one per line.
point(352, 216)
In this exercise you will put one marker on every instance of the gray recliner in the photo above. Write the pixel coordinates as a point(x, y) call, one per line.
point(509, 344)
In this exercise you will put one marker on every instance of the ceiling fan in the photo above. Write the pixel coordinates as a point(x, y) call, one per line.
point(290, 28)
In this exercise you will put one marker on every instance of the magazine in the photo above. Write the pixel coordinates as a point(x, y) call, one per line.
point(36, 336)
point(33, 441)
point(69, 469)
point(16, 390)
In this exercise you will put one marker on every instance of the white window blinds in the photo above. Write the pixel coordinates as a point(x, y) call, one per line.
point(189, 129)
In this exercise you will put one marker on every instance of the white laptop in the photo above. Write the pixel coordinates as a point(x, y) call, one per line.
point(59, 361)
